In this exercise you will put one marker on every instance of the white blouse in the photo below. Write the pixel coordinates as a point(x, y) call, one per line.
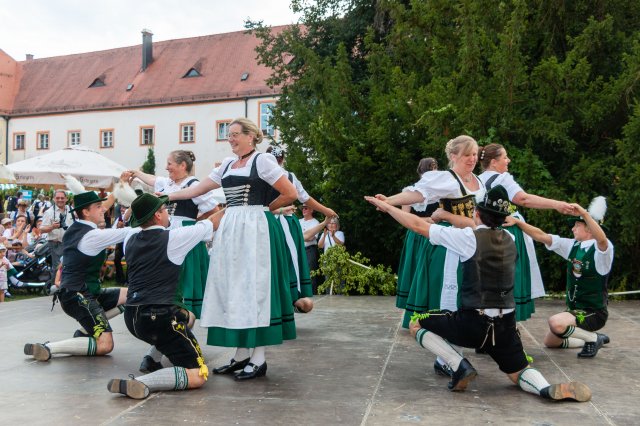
point(268, 168)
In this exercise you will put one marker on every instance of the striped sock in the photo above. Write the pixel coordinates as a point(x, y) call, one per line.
point(571, 342)
point(579, 333)
point(82, 346)
point(170, 378)
point(532, 381)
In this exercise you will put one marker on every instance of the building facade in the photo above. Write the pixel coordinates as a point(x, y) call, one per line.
point(176, 94)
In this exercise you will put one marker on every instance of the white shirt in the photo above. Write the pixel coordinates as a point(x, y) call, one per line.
point(504, 179)
point(603, 259)
point(308, 224)
point(181, 240)
point(438, 184)
point(330, 242)
point(205, 202)
point(267, 167)
point(96, 240)
point(53, 215)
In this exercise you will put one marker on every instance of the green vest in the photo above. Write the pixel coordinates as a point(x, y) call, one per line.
point(586, 288)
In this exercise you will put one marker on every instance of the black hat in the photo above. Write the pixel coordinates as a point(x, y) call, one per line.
point(85, 199)
point(496, 201)
point(145, 206)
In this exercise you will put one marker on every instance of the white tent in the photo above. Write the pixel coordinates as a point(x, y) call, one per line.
point(92, 169)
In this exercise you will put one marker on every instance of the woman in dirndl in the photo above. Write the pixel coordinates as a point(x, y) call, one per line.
point(247, 302)
point(528, 282)
point(299, 274)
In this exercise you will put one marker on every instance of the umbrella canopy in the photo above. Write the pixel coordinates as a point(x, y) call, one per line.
point(92, 169)
point(6, 175)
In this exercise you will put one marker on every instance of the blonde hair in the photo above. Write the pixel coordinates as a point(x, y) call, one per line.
point(460, 145)
point(248, 126)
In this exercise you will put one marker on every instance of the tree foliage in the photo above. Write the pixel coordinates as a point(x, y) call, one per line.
point(370, 87)
point(149, 166)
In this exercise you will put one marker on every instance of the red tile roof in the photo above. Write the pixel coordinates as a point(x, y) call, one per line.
point(60, 84)
point(10, 71)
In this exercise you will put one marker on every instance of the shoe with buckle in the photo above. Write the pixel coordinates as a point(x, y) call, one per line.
point(572, 391)
point(462, 376)
point(590, 349)
point(257, 371)
point(39, 351)
point(442, 369)
point(129, 387)
point(149, 365)
point(232, 367)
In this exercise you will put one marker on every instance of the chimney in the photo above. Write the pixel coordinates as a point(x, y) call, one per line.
point(147, 49)
point(29, 57)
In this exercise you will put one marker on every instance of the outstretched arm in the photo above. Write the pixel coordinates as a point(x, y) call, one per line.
point(144, 177)
point(204, 186)
point(535, 233)
point(405, 219)
point(402, 198)
point(287, 192)
point(454, 219)
point(536, 202)
point(310, 234)
point(317, 206)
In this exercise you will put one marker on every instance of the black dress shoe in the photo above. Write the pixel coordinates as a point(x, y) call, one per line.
point(442, 369)
point(149, 365)
point(462, 376)
point(605, 338)
point(231, 367)
point(256, 372)
point(80, 333)
point(590, 349)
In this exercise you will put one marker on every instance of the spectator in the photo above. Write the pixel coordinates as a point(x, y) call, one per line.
point(332, 235)
point(307, 223)
point(55, 222)
point(12, 202)
point(23, 210)
point(7, 230)
point(36, 233)
point(37, 206)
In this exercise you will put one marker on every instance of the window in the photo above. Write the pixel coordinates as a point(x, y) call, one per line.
point(106, 138)
point(18, 141)
point(146, 135)
point(192, 73)
point(73, 137)
point(187, 132)
point(98, 82)
point(223, 130)
point(43, 140)
point(265, 118)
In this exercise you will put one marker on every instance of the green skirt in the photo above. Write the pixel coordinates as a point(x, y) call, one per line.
point(522, 283)
point(411, 259)
point(306, 289)
point(282, 325)
point(193, 277)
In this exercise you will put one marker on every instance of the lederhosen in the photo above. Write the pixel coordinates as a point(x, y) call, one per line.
point(487, 283)
point(587, 295)
point(80, 294)
point(151, 313)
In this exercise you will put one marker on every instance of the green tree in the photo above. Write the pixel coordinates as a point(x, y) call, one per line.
point(370, 87)
point(149, 166)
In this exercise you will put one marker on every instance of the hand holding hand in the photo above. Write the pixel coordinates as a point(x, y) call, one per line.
point(564, 207)
point(379, 203)
point(577, 210)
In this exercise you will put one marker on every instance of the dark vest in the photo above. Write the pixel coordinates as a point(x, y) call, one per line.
point(80, 272)
point(488, 276)
point(184, 208)
point(153, 278)
point(586, 288)
point(273, 193)
point(246, 190)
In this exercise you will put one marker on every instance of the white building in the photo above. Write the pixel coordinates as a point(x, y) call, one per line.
point(176, 94)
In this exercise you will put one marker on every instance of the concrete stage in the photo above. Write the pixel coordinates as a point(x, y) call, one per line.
point(352, 364)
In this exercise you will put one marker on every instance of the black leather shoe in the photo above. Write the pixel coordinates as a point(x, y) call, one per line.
point(442, 369)
point(80, 333)
point(462, 376)
point(256, 372)
point(149, 365)
point(232, 366)
point(590, 349)
point(605, 338)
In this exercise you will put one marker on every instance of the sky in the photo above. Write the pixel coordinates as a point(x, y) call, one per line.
point(48, 28)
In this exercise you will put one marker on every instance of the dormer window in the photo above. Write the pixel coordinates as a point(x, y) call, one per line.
point(192, 73)
point(98, 82)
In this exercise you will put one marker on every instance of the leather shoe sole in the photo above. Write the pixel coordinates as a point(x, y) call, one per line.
point(232, 367)
point(38, 351)
point(574, 391)
point(131, 388)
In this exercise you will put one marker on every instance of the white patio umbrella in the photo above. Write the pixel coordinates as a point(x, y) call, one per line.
point(6, 175)
point(92, 169)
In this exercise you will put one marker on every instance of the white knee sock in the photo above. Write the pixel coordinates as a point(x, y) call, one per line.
point(241, 354)
point(572, 342)
point(170, 378)
point(155, 354)
point(579, 333)
point(257, 358)
point(439, 347)
point(532, 381)
point(84, 346)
